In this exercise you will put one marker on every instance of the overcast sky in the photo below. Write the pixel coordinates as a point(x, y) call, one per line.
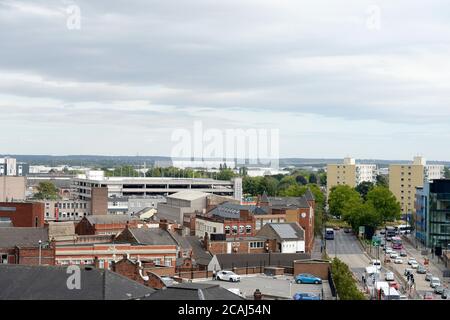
point(370, 79)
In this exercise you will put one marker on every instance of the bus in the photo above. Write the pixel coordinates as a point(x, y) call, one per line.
point(390, 232)
point(389, 293)
point(397, 243)
point(329, 234)
point(404, 229)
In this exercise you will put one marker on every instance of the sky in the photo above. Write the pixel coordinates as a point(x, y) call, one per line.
point(368, 79)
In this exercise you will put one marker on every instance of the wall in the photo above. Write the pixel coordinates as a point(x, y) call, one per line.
point(340, 174)
point(317, 268)
point(99, 201)
point(23, 214)
point(413, 176)
point(292, 246)
point(12, 188)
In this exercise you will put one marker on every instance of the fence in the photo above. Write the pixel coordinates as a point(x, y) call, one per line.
point(332, 285)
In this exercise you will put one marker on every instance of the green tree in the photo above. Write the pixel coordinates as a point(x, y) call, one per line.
point(46, 191)
point(301, 180)
point(286, 182)
point(312, 178)
point(447, 173)
point(270, 185)
point(346, 286)
point(385, 203)
point(363, 188)
point(341, 197)
point(382, 181)
point(225, 174)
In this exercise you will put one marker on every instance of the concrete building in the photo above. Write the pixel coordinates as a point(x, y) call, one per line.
point(181, 203)
point(403, 181)
point(12, 188)
point(350, 173)
point(66, 209)
point(434, 171)
point(10, 167)
point(290, 237)
point(432, 216)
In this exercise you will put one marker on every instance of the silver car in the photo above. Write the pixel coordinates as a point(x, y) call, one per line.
point(435, 282)
point(438, 289)
point(428, 276)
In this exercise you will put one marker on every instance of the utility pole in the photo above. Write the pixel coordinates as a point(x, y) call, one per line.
point(40, 246)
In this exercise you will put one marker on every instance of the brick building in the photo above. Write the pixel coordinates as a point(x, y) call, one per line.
point(21, 246)
point(23, 214)
point(104, 224)
point(217, 245)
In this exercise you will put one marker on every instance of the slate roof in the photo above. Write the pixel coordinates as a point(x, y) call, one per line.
point(193, 291)
point(152, 236)
point(22, 237)
point(287, 231)
point(309, 195)
point(199, 254)
point(240, 260)
point(289, 202)
point(181, 241)
point(106, 219)
point(21, 282)
point(230, 210)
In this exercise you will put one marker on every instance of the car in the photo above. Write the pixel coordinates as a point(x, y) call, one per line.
point(395, 285)
point(336, 228)
point(428, 276)
point(403, 297)
point(403, 254)
point(307, 278)
point(445, 293)
point(408, 271)
point(398, 261)
point(438, 289)
point(376, 263)
point(388, 238)
point(414, 265)
point(389, 250)
point(389, 276)
point(428, 296)
point(306, 296)
point(228, 276)
point(394, 255)
point(383, 231)
point(347, 230)
point(435, 282)
point(411, 260)
point(421, 269)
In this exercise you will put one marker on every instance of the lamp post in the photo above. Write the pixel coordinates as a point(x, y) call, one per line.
point(40, 246)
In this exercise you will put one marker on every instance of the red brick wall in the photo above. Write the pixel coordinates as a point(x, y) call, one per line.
point(128, 269)
point(26, 214)
point(84, 228)
point(30, 256)
point(319, 269)
point(240, 246)
point(239, 223)
point(99, 201)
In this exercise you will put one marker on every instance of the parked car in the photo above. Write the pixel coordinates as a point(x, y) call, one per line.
point(382, 231)
point(435, 282)
point(445, 294)
point(389, 250)
point(428, 296)
point(398, 261)
point(421, 269)
point(389, 276)
point(307, 278)
point(414, 265)
point(227, 276)
point(428, 276)
point(306, 296)
point(394, 255)
point(403, 254)
point(347, 230)
point(336, 228)
point(411, 260)
point(438, 289)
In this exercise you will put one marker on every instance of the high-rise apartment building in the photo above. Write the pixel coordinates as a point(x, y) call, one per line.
point(350, 173)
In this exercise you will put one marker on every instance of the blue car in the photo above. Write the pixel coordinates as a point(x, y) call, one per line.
point(307, 278)
point(306, 296)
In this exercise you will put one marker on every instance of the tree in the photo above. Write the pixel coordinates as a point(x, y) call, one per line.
point(382, 181)
point(447, 173)
point(225, 174)
point(301, 180)
point(251, 185)
point(269, 185)
point(345, 283)
point(363, 188)
point(385, 203)
point(340, 198)
point(312, 178)
point(286, 182)
point(46, 191)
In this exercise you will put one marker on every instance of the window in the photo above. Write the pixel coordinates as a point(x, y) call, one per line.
point(241, 229)
point(167, 262)
point(227, 230)
point(4, 259)
point(157, 261)
point(248, 229)
point(235, 228)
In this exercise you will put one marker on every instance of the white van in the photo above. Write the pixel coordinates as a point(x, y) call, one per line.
point(376, 263)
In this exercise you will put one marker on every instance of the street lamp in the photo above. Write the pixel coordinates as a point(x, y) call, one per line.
point(40, 246)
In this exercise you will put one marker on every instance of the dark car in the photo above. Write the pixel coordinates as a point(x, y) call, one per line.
point(347, 230)
point(421, 269)
point(445, 294)
point(438, 289)
point(403, 254)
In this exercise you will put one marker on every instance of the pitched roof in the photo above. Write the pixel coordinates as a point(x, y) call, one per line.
point(152, 236)
point(264, 197)
point(21, 282)
point(309, 195)
point(230, 210)
point(193, 291)
point(240, 260)
point(289, 202)
point(61, 230)
point(22, 237)
point(181, 241)
point(287, 231)
point(199, 254)
point(107, 219)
